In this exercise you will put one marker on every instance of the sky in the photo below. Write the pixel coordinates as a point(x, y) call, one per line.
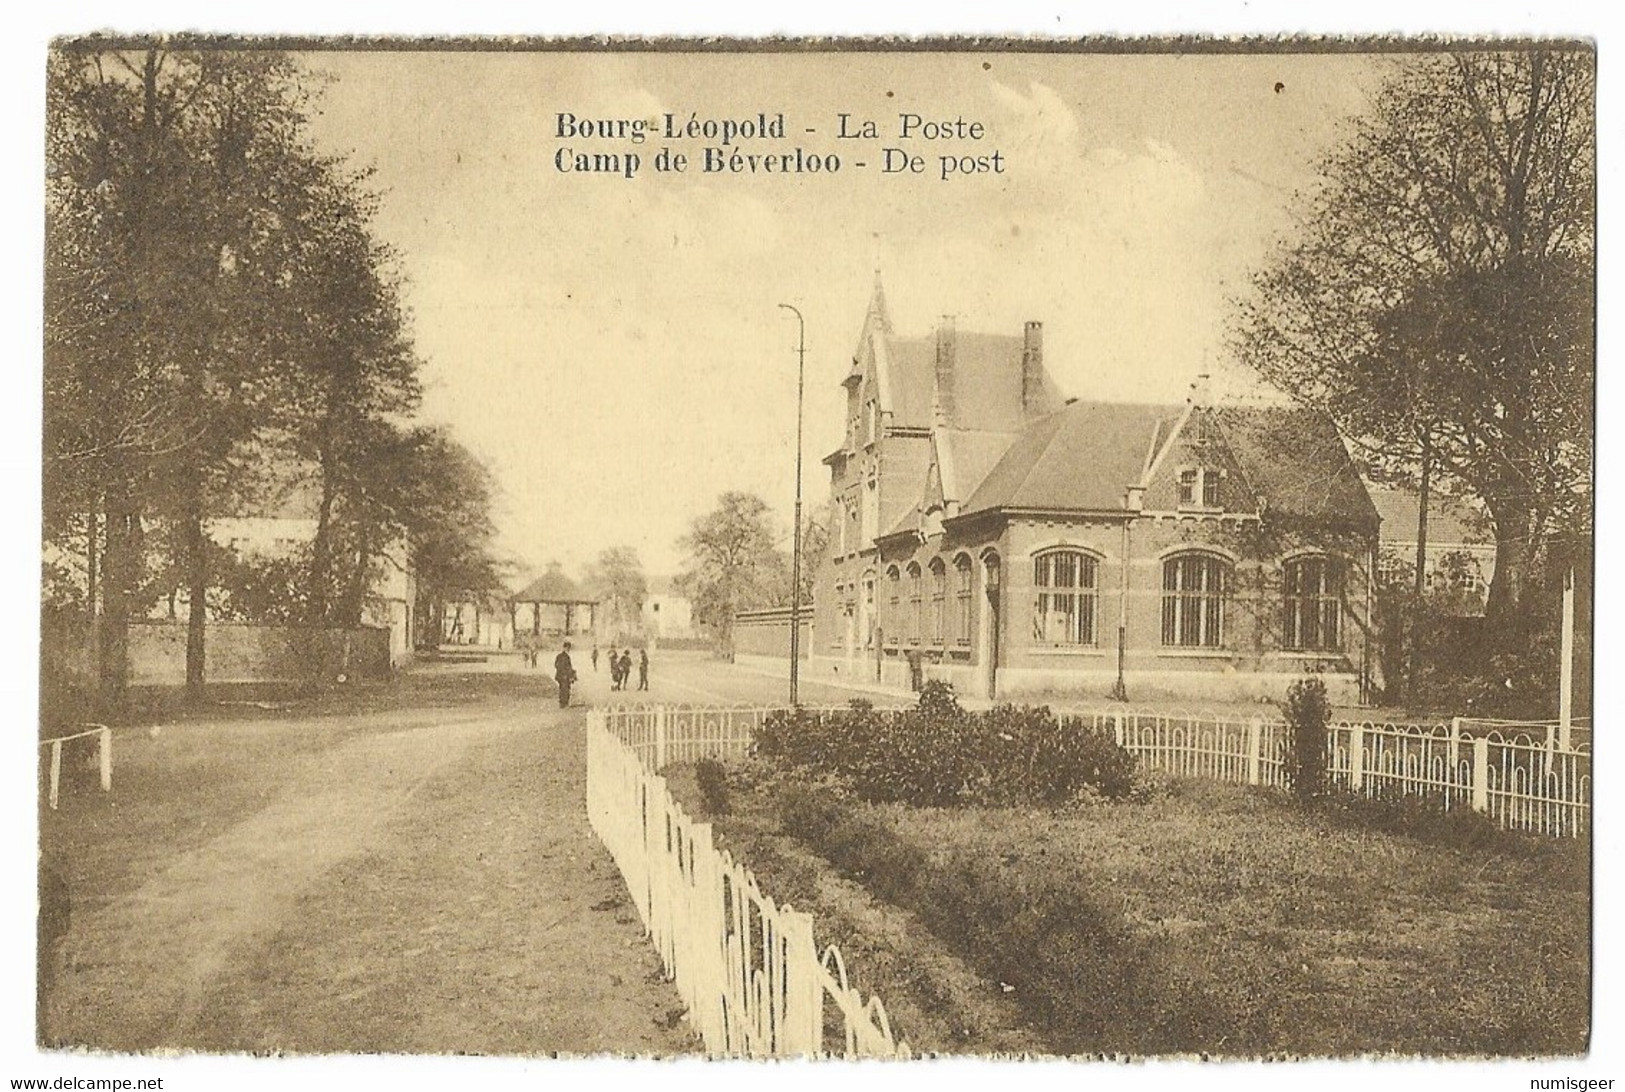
point(613, 348)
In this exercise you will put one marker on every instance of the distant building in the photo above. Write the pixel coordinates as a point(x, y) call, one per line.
point(1460, 548)
point(993, 534)
point(667, 613)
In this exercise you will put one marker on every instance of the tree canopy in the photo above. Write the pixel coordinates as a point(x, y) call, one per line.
point(1439, 294)
point(733, 564)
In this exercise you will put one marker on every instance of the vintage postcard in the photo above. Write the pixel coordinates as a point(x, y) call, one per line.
point(780, 548)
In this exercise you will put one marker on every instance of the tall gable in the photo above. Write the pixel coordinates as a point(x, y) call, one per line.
point(1296, 461)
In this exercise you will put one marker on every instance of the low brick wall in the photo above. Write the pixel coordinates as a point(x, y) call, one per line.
point(233, 652)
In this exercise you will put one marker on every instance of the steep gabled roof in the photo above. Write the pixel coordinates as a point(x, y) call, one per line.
point(1081, 458)
point(1451, 520)
point(1296, 461)
point(965, 459)
point(986, 395)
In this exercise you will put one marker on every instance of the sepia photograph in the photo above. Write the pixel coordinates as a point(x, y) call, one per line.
point(802, 548)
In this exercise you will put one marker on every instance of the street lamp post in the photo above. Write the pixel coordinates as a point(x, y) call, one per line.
point(795, 550)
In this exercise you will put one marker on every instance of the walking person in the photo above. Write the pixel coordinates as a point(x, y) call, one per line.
point(643, 669)
point(564, 673)
point(595, 659)
point(626, 667)
point(614, 670)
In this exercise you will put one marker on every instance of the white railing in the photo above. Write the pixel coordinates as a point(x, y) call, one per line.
point(748, 969)
point(104, 758)
point(1523, 781)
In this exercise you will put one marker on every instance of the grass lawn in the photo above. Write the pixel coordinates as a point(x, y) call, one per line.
point(1225, 921)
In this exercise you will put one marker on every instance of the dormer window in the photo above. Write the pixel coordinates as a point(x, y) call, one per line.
point(1199, 486)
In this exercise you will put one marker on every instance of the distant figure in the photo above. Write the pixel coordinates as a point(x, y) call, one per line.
point(564, 673)
point(643, 669)
point(626, 667)
point(614, 669)
point(595, 659)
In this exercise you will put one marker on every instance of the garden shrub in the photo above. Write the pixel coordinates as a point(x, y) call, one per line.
point(938, 754)
point(712, 778)
point(1307, 712)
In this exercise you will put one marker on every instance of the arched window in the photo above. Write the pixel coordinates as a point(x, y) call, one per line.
point(893, 618)
point(913, 621)
point(1193, 590)
point(962, 581)
point(1314, 604)
point(1064, 604)
point(939, 599)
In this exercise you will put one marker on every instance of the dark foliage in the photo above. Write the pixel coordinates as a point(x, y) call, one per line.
point(1307, 711)
point(938, 754)
point(712, 779)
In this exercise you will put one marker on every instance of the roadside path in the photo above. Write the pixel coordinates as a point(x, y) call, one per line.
point(428, 890)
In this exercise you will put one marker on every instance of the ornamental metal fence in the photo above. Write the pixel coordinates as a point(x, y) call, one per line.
point(1517, 773)
point(749, 970)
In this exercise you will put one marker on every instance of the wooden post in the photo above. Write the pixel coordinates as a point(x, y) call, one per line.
point(56, 770)
point(105, 755)
point(1481, 774)
point(1117, 727)
point(1255, 733)
point(1356, 757)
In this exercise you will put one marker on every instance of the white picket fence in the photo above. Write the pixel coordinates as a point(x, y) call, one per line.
point(749, 970)
point(1522, 779)
point(104, 758)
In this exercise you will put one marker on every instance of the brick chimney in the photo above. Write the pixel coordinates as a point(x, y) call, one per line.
point(945, 368)
point(1032, 369)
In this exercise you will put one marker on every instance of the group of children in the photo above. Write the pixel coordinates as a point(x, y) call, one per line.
point(620, 667)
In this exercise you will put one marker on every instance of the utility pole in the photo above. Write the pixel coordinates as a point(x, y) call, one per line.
point(1565, 684)
point(795, 551)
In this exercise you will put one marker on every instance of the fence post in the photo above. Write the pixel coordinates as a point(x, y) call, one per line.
point(1255, 732)
point(105, 749)
point(1481, 774)
point(660, 738)
point(56, 770)
point(1117, 727)
point(1356, 757)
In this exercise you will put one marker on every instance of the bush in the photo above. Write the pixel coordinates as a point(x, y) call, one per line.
point(939, 755)
point(712, 778)
point(1307, 712)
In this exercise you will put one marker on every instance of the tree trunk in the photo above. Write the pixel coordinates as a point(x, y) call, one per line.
point(119, 566)
point(1503, 620)
point(355, 593)
point(197, 592)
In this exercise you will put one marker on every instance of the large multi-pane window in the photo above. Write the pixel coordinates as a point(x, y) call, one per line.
point(963, 580)
point(913, 621)
point(1064, 606)
point(893, 618)
point(939, 599)
point(1193, 591)
point(1314, 604)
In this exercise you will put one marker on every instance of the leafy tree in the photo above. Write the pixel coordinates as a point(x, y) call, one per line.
point(732, 563)
point(1438, 301)
point(618, 577)
point(174, 177)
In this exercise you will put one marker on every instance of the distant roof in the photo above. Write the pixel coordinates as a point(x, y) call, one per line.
point(1296, 461)
point(986, 393)
point(1450, 519)
point(553, 587)
point(1083, 457)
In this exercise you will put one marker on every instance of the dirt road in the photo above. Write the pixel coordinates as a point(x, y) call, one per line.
point(413, 882)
